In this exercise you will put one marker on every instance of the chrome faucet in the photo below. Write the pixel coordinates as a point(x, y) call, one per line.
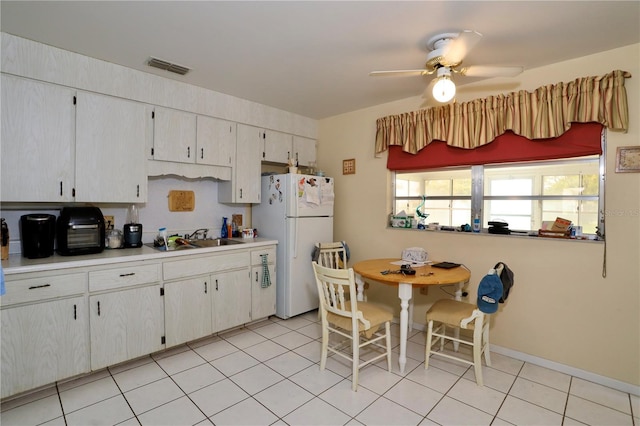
point(196, 234)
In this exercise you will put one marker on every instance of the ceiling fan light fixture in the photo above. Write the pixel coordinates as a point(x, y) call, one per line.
point(444, 89)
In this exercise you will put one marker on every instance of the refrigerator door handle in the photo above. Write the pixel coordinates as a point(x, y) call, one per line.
point(295, 239)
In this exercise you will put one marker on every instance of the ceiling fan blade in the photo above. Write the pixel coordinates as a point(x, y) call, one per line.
point(489, 71)
point(398, 73)
point(455, 51)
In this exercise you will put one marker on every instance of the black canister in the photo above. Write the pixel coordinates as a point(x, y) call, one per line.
point(37, 232)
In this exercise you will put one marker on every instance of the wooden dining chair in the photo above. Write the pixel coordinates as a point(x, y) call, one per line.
point(466, 316)
point(355, 325)
point(334, 255)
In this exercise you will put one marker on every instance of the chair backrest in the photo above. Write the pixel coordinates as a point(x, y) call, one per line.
point(333, 287)
point(332, 255)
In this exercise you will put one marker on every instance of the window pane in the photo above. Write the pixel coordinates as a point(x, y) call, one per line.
point(517, 213)
point(434, 188)
point(402, 188)
point(561, 185)
point(462, 186)
point(505, 187)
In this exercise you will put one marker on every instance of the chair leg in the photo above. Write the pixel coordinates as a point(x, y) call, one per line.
point(477, 351)
point(485, 344)
point(387, 328)
point(355, 345)
point(325, 345)
point(427, 351)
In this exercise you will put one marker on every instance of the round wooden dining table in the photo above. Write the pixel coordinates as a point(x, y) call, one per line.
point(385, 272)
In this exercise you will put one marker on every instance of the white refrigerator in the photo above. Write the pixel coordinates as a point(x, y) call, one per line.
point(296, 210)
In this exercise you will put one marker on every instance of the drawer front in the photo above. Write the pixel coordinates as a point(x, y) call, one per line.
point(205, 265)
point(257, 260)
point(108, 279)
point(42, 288)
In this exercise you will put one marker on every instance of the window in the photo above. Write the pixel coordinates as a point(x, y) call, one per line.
point(523, 195)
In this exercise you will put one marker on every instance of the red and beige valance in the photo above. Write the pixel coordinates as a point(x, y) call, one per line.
point(545, 113)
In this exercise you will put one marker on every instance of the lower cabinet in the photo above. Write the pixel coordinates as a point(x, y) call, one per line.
point(43, 343)
point(212, 293)
point(126, 312)
point(125, 324)
point(231, 299)
point(187, 310)
point(263, 288)
point(62, 323)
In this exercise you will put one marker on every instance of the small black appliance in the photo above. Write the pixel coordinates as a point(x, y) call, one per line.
point(80, 230)
point(38, 233)
point(133, 235)
point(133, 229)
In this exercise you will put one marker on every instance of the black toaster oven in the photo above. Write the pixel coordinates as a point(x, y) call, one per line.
point(80, 230)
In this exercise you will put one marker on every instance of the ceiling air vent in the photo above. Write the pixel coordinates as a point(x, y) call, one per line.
point(167, 66)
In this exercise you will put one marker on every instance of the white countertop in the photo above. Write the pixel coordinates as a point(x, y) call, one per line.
point(17, 264)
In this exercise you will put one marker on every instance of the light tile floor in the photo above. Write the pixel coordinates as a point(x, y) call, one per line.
point(267, 373)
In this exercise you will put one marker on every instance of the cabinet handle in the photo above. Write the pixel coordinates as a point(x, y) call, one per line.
point(288, 155)
point(188, 152)
point(128, 275)
point(98, 308)
point(256, 276)
point(74, 312)
point(138, 191)
point(201, 153)
point(240, 192)
point(61, 188)
point(205, 287)
point(296, 156)
point(216, 285)
point(33, 287)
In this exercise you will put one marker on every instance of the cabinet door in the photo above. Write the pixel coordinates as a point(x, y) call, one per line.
point(231, 299)
point(110, 150)
point(187, 310)
point(43, 343)
point(276, 146)
point(174, 135)
point(216, 141)
point(38, 125)
point(304, 150)
point(125, 324)
point(247, 170)
point(263, 299)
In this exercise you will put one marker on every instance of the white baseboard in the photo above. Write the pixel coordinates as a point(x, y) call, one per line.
point(552, 365)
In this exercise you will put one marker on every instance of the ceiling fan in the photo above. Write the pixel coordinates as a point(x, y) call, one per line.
point(447, 51)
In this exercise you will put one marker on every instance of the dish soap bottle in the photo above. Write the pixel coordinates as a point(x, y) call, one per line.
point(224, 232)
point(476, 223)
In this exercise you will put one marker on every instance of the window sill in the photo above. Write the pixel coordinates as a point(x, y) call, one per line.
point(531, 235)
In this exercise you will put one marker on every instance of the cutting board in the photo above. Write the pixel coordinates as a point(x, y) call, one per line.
point(181, 201)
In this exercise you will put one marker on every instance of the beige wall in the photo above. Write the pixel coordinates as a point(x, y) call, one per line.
point(561, 309)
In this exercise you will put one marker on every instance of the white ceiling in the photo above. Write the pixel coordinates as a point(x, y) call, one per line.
point(313, 58)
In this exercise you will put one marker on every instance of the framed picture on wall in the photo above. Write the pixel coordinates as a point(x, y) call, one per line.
point(349, 166)
point(628, 159)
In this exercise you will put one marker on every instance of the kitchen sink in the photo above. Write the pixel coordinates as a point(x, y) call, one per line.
point(214, 242)
point(196, 244)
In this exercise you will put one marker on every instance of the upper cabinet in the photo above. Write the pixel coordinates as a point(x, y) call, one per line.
point(38, 139)
point(215, 141)
point(62, 145)
point(184, 137)
point(174, 135)
point(111, 136)
point(304, 151)
point(244, 186)
point(276, 146)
